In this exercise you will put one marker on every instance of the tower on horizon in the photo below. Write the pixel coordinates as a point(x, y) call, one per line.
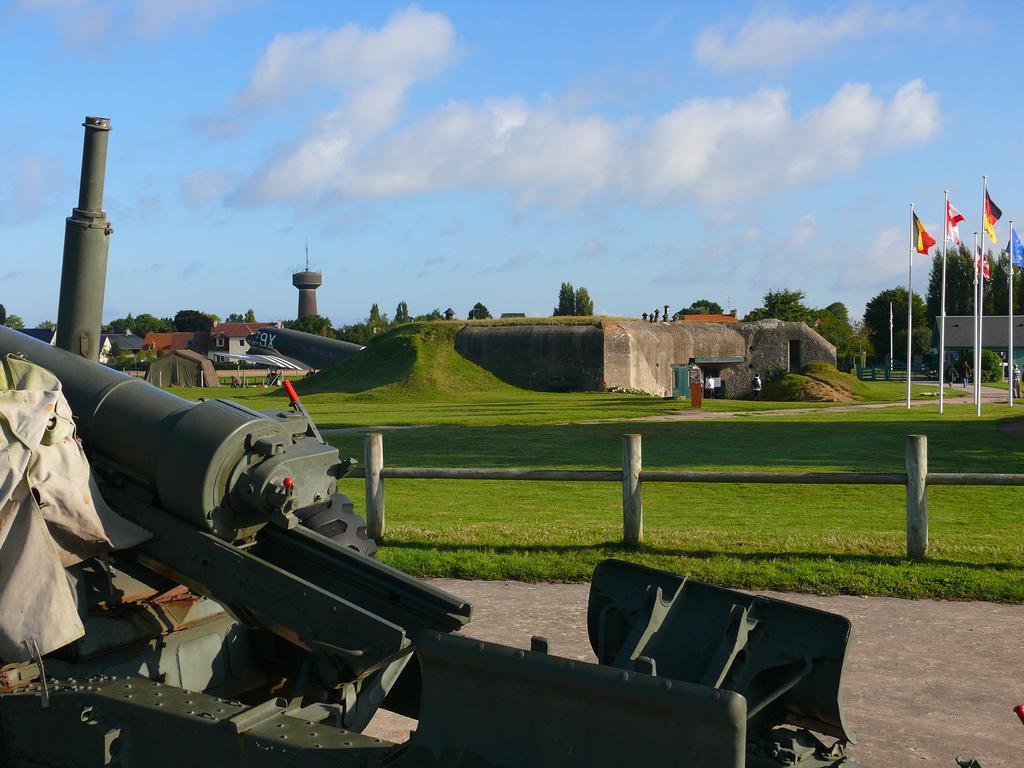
point(307, 282)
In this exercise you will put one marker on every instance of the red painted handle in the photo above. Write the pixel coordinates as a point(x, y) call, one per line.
point(292, 394)
point(1019, 709)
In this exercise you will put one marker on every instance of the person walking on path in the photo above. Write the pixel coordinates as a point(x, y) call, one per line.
point(967, 375)
point(1016, 380)
point(756, 386)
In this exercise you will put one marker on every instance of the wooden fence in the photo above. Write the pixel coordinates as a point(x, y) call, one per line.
point(633, 476)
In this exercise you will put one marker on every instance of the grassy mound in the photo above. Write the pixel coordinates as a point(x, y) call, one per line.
point(817, 382)
point(413, 360)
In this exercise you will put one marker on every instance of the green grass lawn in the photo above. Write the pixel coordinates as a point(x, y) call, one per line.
point(846, 539)
point(822, 539)
point(506, 406)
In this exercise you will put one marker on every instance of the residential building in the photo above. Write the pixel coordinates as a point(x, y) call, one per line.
point(229, 339)
point(111, 343)
point(172, 341)
point(49, 335)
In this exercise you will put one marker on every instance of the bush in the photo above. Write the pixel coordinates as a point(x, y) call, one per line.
point(991, 366)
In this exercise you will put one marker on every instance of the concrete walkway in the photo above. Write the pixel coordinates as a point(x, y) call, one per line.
point(924, 681)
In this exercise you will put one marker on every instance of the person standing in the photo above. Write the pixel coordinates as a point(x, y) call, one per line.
point(1016, 380)
point(756, 386)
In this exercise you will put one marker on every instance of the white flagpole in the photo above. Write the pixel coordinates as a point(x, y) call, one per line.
point(974, 374)
point(942, 313)
point(890, 339)
point(1009, 312)
point(910, 298)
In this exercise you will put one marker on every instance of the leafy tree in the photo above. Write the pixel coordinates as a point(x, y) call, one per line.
point(14, 321)
point(997, 292)
point(479, 312)
point(959, 284)
point(357, 333)
point(434, 314)
point(566, 301)
point(48, 324)
point(781, 305)
point(235, 317)
point(702, 307)
point(876, 322)
point(146, 323)
point(584, 304)
point(402, 313)
point(315, 324)
point(839, 311)
point(193, 320)
point(250, 316)
point(366, 331)
point(3, 315)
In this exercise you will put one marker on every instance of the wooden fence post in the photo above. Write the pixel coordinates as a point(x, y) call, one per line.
point(632, 491)
point(917, 496)
point(373, 444)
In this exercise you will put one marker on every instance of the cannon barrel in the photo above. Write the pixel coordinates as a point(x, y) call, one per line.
point(86, 239)
point(215, 463)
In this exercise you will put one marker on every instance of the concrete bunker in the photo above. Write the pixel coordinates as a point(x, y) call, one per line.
point(634, 355)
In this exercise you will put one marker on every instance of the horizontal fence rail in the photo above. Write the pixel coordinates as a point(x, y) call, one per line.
point(632, 476)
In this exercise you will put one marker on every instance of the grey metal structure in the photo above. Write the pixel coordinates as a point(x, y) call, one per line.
point(86, 240)
point(253, 629)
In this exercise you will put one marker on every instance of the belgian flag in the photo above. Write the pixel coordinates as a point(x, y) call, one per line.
point(922, 240)
point(992, 214)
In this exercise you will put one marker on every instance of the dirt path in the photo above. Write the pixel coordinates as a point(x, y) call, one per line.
point(924, 681)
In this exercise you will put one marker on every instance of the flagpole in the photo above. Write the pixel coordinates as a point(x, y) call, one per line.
point(981, 294)
point(942, 314)
point(976, 322)
point(910, 298)
point(890, 339)
point(1009, 349)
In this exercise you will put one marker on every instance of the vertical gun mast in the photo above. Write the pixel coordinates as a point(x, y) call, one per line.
point(86, 239)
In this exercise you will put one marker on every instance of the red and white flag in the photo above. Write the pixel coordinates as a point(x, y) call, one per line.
point(981, 262)
point(953, 217)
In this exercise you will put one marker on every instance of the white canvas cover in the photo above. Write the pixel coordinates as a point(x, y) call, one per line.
point(51, 513)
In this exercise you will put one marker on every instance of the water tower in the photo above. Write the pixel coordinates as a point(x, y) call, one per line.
point(307, 282)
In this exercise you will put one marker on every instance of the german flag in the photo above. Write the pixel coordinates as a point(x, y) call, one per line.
point(992, 214)
point(922, 240)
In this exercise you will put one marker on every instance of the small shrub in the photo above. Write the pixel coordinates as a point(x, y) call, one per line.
point(991, 366)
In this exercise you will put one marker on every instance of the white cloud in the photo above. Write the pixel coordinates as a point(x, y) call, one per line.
point(155, 18)
point(879, 265)
point(201, 187)
point(519, 259)
point(710, 150)
point(27, 185)
point(83, 22)
point(412, 45)
point(767, 41)
point(803, 231)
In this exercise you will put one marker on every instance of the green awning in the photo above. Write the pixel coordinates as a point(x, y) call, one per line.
point(712, 360)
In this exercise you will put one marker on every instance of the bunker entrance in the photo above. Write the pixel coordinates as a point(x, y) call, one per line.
point(794, 356)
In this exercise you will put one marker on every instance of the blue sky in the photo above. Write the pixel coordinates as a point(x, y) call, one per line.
point(448, 153)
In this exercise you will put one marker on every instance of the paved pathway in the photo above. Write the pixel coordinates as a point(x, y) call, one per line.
point(925, 680)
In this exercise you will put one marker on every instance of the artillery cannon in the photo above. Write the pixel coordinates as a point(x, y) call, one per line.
point(253, 628)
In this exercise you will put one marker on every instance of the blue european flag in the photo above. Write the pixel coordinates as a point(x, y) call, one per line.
point(1016, 250)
